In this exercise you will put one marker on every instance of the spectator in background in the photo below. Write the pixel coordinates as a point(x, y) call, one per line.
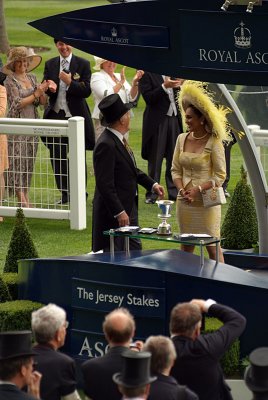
point(198, 356)
point(119, 329)
point(58, 370)
point(134, 378)
point(3, 145)
point(17, 367)
point(256, 375)
point(161, 127)
point(24, 95)
point(163, 357)
point(68, 77)
point(105, 82)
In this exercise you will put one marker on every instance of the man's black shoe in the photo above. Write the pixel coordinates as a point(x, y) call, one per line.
point(149, 200)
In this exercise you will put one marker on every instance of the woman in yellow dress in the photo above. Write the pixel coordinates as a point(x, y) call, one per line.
point(199, 163)
point(3, 145)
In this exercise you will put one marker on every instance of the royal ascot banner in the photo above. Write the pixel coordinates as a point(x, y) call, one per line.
point(191, 39)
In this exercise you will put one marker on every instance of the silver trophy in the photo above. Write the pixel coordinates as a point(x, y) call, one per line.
point(164, 228)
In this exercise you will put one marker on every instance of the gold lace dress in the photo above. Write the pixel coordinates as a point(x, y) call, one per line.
point(195, 169)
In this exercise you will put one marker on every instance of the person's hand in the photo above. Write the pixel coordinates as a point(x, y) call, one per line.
point(52, 86)
point(191, 194)
point(139, 74)
point(159, 190)
point(173, 83)
point(34, 385)
point(43, 86)
point(136, 346)
point(123, 219)
point(122, 76)
point(201, 304)
point(66, 78)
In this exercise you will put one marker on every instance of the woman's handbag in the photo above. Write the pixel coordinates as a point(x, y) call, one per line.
point(213, 197)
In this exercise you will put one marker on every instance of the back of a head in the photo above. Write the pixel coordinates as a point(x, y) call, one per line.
point(119, 326)
point(46, 321)
point(163, 353)
point(183, 319)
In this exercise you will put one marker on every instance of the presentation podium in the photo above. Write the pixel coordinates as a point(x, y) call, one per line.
point(149, 284)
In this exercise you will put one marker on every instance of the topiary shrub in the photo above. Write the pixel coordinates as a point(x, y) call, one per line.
point(230, 361)
point(4, 293)
point(16, 315)
point(11, 280)
point(21, 245)
point(240, 226)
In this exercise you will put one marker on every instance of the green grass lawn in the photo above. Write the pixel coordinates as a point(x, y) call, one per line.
point(54, 238)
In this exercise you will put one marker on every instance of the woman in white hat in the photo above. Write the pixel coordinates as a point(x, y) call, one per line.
point(199, 162)
point(24, 95)
point(105, 82)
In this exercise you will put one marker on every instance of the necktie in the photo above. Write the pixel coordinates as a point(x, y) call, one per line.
point(65, 64)
point(130, 152)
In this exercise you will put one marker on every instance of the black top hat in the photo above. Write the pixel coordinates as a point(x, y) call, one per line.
point(15, 344)
point(256, 375)
point(135, 369)
point(112, 108)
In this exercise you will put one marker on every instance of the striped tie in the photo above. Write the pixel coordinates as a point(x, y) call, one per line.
point(65, 64)
point(130, 152)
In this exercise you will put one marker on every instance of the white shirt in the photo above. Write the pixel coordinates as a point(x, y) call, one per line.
point(172, 108)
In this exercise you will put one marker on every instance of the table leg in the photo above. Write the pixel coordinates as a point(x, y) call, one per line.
point(112, 246)
point(202, 261)
point(217, 252)
point(127, 245)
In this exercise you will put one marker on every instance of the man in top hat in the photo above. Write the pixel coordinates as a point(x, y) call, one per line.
point(135, 378)
point(256, 375)
point(117, 177)
point(16, 367)
point(69, 85)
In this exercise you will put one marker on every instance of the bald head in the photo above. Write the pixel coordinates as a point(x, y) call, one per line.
point(119, 327)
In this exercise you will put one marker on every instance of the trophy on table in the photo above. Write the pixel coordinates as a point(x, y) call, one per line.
point(164, 228)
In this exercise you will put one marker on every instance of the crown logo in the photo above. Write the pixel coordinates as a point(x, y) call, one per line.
point(113, 32)
point(242, 36)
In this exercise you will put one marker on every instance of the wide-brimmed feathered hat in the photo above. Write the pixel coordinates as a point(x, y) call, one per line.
point(195, 93)
point(17, 54)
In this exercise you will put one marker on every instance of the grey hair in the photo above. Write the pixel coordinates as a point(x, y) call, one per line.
point(163, 353)
point(46, 322)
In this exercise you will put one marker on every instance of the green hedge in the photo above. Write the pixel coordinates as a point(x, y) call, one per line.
point(4, 292)
point(11, 280)
point(230, 362)
point(16, 315)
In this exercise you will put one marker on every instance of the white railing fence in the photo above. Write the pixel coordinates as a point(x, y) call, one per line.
point(34, 164)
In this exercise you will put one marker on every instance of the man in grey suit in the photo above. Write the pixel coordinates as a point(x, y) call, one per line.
point(198, 356)
point(119, 328)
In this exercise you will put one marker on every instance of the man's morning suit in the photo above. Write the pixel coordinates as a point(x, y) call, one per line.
point(167, 388)
point(58, 373)
point(12, 392)
point(198, 361)
point(76, 95)
point(98, 372)
point(159, 131)
point(117, 179)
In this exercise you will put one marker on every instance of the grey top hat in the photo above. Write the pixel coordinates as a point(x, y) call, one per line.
point(112, 109)
point(135, 369)
point(15, 344)
point(256, 375)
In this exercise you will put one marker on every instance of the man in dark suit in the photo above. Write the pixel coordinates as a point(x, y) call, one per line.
point(117, 177)
point(198, 356)
point(17, 367)
point(119, 328)
point(163, 357)
point(58, 370)
point(69, 86)
point(161, 127)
